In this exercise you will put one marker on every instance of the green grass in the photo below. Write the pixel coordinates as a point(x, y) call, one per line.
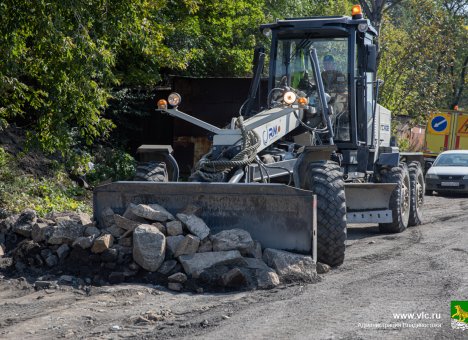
point(57, 193)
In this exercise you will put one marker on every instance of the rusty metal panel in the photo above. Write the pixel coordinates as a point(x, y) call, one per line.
point(276, 215)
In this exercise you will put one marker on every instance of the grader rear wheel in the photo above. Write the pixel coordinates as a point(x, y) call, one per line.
point(400, 199)
point(417, 191)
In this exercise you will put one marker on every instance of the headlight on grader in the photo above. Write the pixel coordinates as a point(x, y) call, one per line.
point(289, 97)
point(174, 99)
point(162, 104)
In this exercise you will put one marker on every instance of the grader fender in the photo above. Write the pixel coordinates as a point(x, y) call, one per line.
point(276, 215)
point(369, 202)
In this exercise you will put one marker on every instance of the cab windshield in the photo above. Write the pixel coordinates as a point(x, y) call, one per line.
point(293, 67)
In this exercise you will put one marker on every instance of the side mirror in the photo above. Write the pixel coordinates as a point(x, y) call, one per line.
point(428, 164)
point(370, 58)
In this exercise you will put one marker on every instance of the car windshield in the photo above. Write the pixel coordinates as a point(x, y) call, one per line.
point(452, 159)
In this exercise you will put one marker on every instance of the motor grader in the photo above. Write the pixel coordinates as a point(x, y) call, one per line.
point(319, 151)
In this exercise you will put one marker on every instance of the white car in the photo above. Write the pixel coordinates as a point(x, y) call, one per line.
point(449, 173)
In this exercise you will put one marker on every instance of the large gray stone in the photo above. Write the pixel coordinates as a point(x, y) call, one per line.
point(167, 266)
point(24, 223)
point(84, 242)
point(66, 231)
point(63, 251)
point(189, 245)
point(195, 225)
point(266, 279)
point(174, 228)
point(253, 263)
point(149, 246)
point(41, 232)
point(107, 218)
point(161, 227)
point(115, 231)
point(92, 231)
point(289, 266)
point(234, 278)
point(163, 210)
point(195, 264)
point(52, 260)
point(23, 229)
point(102, 243)
point(255, 251)
point(172, 242)
point(177, 277)
point(131, 216)
point(110, 255)
point(125, 241)
point(205, 246)
point(125, 223)
point(27, 216)
point(266, 276)
point(152, 212)
point(84, 218)
point(231, 240)
point(8, 223)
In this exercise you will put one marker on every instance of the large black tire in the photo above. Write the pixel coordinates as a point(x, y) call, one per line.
point(151, 172)
point(326, 181)
point(418, 189)
point(399, 200)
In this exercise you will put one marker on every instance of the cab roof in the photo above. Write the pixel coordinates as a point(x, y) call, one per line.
point(337, 23)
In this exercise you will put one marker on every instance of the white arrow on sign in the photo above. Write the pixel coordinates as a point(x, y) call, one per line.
point(436, 125)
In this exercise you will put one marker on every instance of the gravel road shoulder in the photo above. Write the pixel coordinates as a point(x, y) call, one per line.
point(418, 271)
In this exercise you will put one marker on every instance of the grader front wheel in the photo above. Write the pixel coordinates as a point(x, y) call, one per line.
point(325, 179)
point(151, 172)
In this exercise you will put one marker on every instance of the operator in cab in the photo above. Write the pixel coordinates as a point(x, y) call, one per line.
point(333, 79)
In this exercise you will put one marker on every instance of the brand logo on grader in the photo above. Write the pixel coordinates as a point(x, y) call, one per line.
point(270, 133)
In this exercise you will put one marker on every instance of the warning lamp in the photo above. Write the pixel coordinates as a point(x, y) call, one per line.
point(356, 12)
point(302, 101)
point(162, 104)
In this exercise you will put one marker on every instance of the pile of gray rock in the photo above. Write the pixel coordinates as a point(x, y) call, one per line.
point(180, 250)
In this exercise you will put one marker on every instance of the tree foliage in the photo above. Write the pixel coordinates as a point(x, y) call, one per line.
point(422, 45)
point(61, 60)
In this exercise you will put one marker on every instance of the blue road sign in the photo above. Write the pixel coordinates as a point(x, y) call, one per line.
point(439, 123)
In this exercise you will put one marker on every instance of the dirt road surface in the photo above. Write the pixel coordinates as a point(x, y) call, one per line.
point(419, 271)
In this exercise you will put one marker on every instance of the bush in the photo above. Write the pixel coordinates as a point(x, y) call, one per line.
point(19, 191)
point(111, 164)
